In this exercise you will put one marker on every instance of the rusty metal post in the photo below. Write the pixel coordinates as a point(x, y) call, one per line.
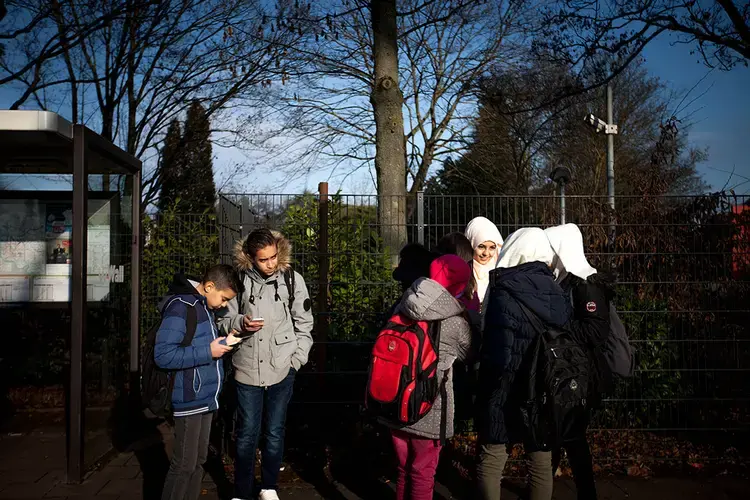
point(323, 280)
point(75, 403)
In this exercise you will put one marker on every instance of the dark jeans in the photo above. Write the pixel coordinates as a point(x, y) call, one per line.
point(190, 452)
point(256, 406)
point(579, 457)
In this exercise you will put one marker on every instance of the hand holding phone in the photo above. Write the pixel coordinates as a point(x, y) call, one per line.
point(250, 324)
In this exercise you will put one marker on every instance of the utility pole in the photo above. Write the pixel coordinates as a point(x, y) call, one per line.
point(611, 131)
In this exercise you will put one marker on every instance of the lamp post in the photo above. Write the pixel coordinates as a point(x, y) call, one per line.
point(561, 176)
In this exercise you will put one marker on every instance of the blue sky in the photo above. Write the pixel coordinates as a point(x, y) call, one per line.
point(721, 117)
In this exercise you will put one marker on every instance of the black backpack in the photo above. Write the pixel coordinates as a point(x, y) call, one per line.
point(552, 386)
point(157, 384)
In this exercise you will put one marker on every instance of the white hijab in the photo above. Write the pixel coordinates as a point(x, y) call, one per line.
point(567, 243)
point(479, 230)
point(529, 244)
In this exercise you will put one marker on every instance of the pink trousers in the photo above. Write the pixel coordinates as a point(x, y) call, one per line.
point(417, 462)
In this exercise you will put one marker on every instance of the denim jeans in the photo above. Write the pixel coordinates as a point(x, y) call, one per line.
point(190, 451)
point(261, 408)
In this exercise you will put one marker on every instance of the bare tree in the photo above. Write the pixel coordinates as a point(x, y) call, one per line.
point(387, 101)
point(144, 64)
point(580, 30)
point(444, 47)
point(513, 153)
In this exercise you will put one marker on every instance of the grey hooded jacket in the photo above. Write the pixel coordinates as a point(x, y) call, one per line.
point(427, 300)
point(284, 342)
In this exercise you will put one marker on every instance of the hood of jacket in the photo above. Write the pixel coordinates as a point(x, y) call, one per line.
point(243, 262)
point(427, 300)
point(181, 285)
point(534, 285)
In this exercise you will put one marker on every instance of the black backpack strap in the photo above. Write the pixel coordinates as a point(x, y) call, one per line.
point(241, 295)
point(191, 323)
point(444, 408)
point(289, 281)
point(536, 323)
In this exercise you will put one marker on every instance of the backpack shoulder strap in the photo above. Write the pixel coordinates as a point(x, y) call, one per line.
point(536, 323)
point(289, 281)
point(241, 295)
point(191, 323)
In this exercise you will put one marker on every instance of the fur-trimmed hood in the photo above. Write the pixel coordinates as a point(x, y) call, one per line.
point(243, 262)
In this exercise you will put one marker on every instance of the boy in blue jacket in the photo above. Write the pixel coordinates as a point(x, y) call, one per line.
point(198, 371)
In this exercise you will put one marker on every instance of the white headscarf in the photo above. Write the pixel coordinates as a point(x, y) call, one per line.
point(479, 230)
point(567, 243)
point(529, 244)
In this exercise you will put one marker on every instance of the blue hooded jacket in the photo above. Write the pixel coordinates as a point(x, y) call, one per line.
point(199, 377)
point(508, 335)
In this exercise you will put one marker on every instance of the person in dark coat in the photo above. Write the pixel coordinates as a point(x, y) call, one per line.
point(586, 288)
point(524, 275)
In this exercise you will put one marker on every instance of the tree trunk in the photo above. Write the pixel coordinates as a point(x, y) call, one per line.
point(387, 103)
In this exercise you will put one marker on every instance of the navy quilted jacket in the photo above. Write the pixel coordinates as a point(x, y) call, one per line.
point(198, 377)
point(508, 335)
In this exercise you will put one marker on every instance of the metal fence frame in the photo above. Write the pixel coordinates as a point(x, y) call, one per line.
point(241, 213)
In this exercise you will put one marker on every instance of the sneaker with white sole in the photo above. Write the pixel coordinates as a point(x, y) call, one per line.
point(268, 495)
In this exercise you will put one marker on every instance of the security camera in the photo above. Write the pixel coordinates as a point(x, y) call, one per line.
point(600, 125)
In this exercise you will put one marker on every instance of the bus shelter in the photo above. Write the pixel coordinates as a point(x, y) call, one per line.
point(69, 269)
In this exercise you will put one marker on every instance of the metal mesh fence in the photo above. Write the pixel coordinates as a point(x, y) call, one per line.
point(683, 267)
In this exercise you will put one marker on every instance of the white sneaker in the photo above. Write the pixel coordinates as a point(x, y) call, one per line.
point(268, 495)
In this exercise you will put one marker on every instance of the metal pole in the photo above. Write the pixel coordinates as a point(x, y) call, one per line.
point(611, 165)
point(323, 284)
point(420, 217)
point(135, 282)
point(74, 465)
point(562, 202)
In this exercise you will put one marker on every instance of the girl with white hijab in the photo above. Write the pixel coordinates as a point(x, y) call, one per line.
point(582, 282)
point(486, 241)
point(567, 243)
point(524, 276)
point(523, 284)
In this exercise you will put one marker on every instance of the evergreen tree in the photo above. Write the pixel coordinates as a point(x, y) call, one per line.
point(172, 163)
point(198, 187)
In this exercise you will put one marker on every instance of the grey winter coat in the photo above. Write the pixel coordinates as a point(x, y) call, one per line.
point(284, 342)
point(427, 300)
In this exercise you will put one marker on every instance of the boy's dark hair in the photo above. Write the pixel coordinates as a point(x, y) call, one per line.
point(224, 277)
point(456, 244)
point(258, 240)
point(414, 263)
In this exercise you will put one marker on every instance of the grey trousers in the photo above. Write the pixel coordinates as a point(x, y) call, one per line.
point(491, 461)
point(185, 474)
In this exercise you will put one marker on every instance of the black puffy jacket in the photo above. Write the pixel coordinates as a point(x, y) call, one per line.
point(508, 335)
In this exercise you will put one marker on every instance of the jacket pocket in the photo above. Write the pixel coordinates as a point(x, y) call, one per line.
point(197, 382)
point(188, 380)
point(284, 345)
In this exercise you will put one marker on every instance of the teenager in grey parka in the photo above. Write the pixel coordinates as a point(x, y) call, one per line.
point(267, 360)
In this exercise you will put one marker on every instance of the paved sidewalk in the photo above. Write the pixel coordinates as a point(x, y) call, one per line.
point(32, 466)
point(122, 479)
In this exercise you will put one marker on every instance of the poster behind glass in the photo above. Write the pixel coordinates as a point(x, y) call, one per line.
point(35, 250)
